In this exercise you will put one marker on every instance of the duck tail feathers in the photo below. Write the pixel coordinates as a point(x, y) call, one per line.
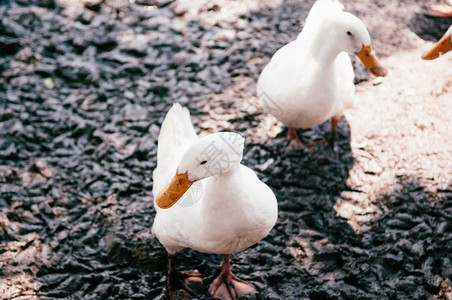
point(176, 134)
point(176, 129)
point(322, 7)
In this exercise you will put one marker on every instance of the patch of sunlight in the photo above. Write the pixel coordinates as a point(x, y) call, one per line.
point(20, 261)
point(358, 213)
point(228, 11)
point(19, 286)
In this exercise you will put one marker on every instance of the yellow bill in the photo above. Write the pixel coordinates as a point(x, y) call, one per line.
point(442, 46)
point(175, 189)
point(371, 62)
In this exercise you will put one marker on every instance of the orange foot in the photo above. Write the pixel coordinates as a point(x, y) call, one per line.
point(294, 139)
point(443, 11)
point(181, 284)
point(227, 286)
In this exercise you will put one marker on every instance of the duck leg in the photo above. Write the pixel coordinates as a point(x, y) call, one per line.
point(181, 283)
point(295, 141)
point(294, 138)
point(227, 286)
point(334, 123)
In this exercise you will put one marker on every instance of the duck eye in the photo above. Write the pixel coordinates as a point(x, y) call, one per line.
point(349, 33)
point(203, 162)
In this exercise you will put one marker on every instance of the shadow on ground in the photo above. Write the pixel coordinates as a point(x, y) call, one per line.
point(429, 28)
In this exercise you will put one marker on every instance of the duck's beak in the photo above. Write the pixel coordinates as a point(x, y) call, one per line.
point(371, 62)
point(175, 189)
point(442, 46)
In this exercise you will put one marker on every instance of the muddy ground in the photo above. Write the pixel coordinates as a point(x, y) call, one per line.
point(84, 88)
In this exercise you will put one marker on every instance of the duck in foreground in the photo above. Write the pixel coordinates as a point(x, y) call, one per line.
point(310, 80)
point(206, 200)
point(443, 46)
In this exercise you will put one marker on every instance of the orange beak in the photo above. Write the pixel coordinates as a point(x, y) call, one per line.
point(442, 46)
point(175, 189)
point(371, 62)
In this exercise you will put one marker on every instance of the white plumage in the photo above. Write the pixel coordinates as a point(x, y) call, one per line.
point(311, 79)
point(236, 209)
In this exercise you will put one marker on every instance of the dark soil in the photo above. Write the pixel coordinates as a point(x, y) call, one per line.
point(84, 88)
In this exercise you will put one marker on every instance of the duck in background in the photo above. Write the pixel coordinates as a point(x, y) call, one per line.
point(443, 46)
point(234, 210)
point(310, 80)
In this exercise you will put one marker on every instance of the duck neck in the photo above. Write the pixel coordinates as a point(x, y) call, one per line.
point(220, 190)
point(324, 47)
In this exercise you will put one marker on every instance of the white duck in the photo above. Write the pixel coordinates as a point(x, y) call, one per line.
point(443, 46)
point(310, 79)
point(235, 211)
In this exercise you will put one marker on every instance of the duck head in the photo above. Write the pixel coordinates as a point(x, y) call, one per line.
point(211, 155)
point(443, 46)
point(352, 36)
